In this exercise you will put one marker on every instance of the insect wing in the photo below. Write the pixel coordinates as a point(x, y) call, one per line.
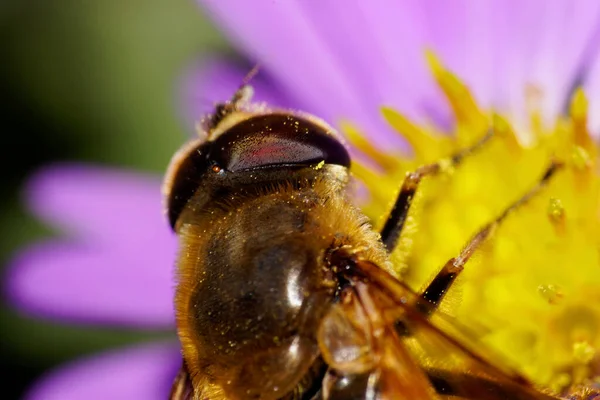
point(366, 358)
point(438, 346)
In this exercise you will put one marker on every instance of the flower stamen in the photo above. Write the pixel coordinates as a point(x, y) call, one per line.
point(553, 238)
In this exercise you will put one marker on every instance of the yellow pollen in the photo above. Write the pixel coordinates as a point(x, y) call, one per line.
point(580, 158)
point(551, 293)
point(561, 381)
point(556, 214)
point(583, 352)
point(536, 282)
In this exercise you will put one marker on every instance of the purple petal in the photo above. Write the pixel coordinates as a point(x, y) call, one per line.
point(590, 69)
point(119, 269)
point(307, 63)
point(592, 90)
point(500, 48)
point(86, 284)
point(145, 372)
point(99, 204)
point(215, 81)
point(347, 62)
point(566, 31)
point(379, 51)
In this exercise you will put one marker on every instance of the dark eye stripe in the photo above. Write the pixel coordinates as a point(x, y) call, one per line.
point(264, 141)
point(277, 139)
point(186, 180)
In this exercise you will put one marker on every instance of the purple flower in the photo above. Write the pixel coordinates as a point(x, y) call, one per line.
point(114, 264)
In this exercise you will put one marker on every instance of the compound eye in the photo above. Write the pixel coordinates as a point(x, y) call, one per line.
point(183, 177)
point(264, 141)
point(278, 140)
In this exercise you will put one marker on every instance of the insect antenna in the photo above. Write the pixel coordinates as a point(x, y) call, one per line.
point(242, 96)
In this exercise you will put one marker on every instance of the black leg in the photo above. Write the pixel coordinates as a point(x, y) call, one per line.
point(395, 222)
point(435, 292)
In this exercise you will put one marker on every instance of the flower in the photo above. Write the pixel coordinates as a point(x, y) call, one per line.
point(532, 292)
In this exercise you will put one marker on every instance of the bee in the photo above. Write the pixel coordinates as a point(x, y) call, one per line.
point(284, 289)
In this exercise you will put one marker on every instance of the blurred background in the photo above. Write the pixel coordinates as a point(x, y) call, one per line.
point(84, 81)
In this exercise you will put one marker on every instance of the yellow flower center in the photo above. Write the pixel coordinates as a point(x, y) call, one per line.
point(533, 290)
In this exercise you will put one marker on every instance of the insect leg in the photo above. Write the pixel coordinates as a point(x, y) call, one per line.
point(395, 222)
point(182, 386)
point(435, 291)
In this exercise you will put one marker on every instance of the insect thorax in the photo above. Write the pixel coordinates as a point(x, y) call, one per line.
point(254, 284)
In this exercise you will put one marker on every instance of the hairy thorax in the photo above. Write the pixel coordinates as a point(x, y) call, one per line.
point(254, 283)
